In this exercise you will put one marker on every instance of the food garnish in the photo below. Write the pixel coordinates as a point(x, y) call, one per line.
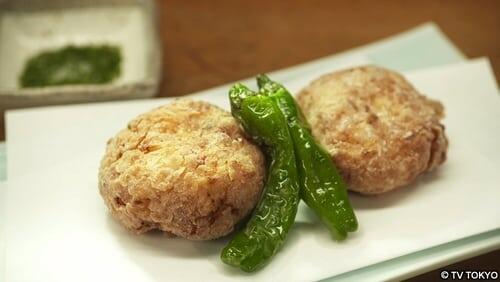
point(322, 187)
point(267, 229)
point(93, 64)
point(299, 167)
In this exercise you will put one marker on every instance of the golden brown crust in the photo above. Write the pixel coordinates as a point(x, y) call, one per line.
point(184, 168)
point(380, 131)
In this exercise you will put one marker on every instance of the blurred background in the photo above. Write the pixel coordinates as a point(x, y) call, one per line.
point(208, 43)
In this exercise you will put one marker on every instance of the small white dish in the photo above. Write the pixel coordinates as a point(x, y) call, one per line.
point(29, 27)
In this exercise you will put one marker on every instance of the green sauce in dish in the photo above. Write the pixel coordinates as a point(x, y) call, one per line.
point(93, 64)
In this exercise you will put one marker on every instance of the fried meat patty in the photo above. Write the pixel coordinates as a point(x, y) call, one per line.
point(185, 168)
point(380, 131)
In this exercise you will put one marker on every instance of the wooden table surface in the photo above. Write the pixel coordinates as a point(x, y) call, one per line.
point(208, 43)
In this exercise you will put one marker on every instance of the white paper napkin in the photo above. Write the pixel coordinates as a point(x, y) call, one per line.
point(62, 230)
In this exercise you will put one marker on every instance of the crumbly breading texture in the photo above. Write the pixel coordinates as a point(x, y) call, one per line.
point(380, 131)
point(185, 168)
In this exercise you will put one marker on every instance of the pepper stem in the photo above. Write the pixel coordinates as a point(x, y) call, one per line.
point(238, 93)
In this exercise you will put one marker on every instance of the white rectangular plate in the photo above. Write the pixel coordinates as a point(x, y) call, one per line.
point(59, 228)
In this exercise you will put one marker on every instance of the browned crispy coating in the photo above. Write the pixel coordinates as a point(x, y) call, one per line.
point(185, 168)
point(380, 131)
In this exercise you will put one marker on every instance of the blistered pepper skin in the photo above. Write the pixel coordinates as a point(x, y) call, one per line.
point(322, 187)
point(267, 229)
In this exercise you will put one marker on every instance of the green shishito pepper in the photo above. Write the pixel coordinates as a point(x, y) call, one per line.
point(92, 64)
point(322, 187)
point(267, 229)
